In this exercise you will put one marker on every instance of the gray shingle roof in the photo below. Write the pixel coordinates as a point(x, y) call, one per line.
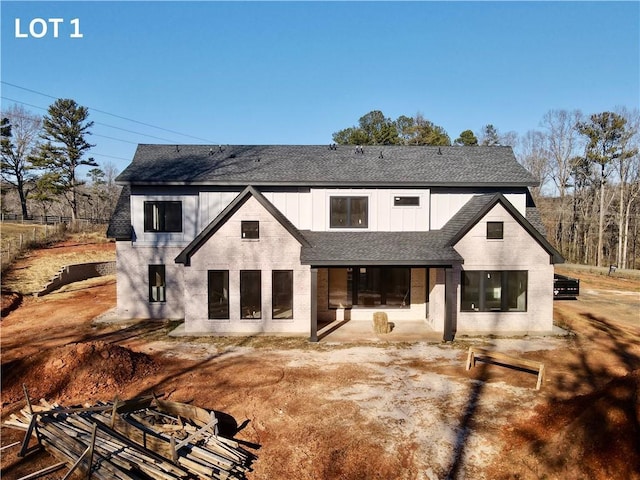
point(377, 248)
point(478, 207)
point(318, 165)
point(410, 248)
point(120, 222)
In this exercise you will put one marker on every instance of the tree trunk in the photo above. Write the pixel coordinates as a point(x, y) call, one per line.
point(621, 233)
point(623, 263)
point(601, 220)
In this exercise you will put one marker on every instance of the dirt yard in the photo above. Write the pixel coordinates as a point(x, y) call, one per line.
point(350, 411)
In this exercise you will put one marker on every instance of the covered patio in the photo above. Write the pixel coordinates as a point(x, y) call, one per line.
point(356, 331)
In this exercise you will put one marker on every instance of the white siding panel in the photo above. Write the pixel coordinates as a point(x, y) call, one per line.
point(446, 205)
point(190, 227)
point(383, 215)
point(211, 204)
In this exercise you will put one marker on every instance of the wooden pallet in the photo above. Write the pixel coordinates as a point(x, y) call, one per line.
point(140, 439)
point(482, 354)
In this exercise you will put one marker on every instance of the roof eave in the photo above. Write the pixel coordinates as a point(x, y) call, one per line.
point(407, 184)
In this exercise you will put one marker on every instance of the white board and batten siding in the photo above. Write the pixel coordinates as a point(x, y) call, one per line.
point(311, 210)
point(445, 205)
point(190, 224)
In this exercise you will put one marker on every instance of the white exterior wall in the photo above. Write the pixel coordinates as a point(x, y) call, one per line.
point(446, 205)
point(310, 210)
point(189, 221)
point(211, 204)
point(296, 206)
point(276, 249)
point(437, 312)
point(132, 271)
point(517, 251)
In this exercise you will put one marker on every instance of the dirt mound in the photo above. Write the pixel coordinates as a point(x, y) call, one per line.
point(594, 436)
point(77, 371)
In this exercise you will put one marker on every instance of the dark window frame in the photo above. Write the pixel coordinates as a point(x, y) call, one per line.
point(250, 294)
point(477, 296)
point(250, 229)
point(157, 283)
point(368, 286)
point(495, 230)
point(163, 216)
point(282, 288)
point(406, 201)
point(350, 208)
point(218, 301)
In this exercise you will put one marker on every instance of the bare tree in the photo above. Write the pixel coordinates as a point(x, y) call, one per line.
point(562, 144)
point(606, 135)
point(20, 133)
point(534, 157)
point(628, 170)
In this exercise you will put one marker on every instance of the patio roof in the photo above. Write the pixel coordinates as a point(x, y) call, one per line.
point(377, 248)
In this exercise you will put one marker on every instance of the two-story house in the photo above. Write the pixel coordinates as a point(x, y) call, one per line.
point(248, 239)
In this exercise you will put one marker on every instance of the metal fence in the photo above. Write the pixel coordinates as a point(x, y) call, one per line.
point(49, 219)
point(37, 231)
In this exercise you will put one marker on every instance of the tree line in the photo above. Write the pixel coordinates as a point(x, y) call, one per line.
point(588, 169)
point(40, 158)
point(587, 166)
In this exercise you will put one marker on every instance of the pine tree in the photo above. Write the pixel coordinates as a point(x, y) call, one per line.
point(65, 128)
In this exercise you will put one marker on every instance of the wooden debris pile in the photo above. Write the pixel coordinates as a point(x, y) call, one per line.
point(141, 439)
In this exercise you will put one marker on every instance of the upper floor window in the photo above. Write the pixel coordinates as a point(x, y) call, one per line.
point(406, 201)
point(163, 216)
point(349, 212)
point(250, 229)
point(495, 230)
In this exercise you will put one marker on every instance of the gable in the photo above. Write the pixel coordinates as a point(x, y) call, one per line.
point(469, 227)
point(228, 214)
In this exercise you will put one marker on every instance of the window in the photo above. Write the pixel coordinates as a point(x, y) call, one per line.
point(218, 289)
point(494, 291)
point(282, 295)
point(250, 294)
point(406, 201)
point(250, 229)
point(369, 286)
point(157, 283)
point(349, 212)
point(495, 230)
point(162, 216)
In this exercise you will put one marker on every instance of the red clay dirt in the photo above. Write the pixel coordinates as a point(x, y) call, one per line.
point(356, 411)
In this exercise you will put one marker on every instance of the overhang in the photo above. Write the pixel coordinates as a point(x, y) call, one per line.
point(377, 248)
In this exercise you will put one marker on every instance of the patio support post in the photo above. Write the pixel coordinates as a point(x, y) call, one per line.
point(451, 300)
point(314, 305)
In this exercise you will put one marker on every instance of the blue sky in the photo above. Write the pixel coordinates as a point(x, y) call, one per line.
point(295, 72)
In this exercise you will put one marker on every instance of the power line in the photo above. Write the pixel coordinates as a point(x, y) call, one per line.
point(110, 156)
point(114, 138)
point(112, 114)
point(97, 123)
